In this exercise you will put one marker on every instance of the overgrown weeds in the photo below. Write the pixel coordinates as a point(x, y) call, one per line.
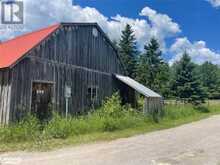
point(111, 117)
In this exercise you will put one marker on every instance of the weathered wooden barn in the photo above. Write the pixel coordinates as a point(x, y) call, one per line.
point(70, 66)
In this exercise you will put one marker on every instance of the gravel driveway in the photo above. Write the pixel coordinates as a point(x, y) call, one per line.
point(192, 144)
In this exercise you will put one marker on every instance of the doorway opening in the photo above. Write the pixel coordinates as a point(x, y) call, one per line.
point(128, 94)
point(41, 103)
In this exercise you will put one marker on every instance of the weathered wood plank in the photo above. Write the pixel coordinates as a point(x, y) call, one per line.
point(5, 93)
point(73, 56)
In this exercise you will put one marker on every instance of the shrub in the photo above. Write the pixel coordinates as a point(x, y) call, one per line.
point(110, 117)
point(26, 130)
point(58, 127)
point(112, 107)
point(118, 117)
point(110, 124)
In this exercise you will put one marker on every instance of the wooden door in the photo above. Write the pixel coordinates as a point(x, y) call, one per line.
point(42, 94)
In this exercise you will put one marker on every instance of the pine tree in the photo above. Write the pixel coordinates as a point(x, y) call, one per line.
point(128, 50)
point(163, 80)
point(152, 71)
point(186, 85)
point(210, 79)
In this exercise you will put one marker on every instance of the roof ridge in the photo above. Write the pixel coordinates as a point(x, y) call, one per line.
point(78, 23)
point(28, 33)
point(14, 50)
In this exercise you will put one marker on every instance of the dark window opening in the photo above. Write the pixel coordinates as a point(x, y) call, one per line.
point(92, 96)
point(92, 93)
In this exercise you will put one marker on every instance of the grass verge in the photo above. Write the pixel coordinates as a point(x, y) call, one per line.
point(110, 122)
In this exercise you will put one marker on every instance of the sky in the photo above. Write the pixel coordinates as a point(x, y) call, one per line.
point(179, 25)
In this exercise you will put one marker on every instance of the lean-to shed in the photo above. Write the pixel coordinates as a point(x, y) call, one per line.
point(68, 66)
point(152, 102)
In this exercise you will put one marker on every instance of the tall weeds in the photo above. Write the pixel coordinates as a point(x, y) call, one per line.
point(112, 116)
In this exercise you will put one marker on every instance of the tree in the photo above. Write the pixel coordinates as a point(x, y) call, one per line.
point(173, 70)
point(162, 84)
point(128, 50)
point(186, 85)
point(152, 71)
point(210, 79)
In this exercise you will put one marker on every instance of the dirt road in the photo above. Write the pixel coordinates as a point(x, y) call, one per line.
point(192, 144)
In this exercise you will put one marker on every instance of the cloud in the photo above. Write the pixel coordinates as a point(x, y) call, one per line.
point(197, 50)
point(214, 3)
point(161, 24)
point(42, 13)
point(151, 24)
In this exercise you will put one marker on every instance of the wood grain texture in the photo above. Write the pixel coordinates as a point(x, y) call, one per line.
point(5, 95)
point(71, 56)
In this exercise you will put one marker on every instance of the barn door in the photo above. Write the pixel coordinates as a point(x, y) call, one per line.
point(42, 94)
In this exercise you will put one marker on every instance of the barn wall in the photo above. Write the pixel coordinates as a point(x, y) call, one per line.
point(73, 57)
point(78, 79)
point(76, 45)
point(5, 93)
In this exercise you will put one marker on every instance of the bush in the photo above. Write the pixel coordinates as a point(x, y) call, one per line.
point(112, 116)
point(26, 130)
point(118, 117)
point(58, 127)
point(112, 107)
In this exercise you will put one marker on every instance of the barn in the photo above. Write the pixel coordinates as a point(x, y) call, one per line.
point(70, 67)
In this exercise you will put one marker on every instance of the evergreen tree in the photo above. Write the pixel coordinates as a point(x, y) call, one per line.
point(186, 85)
point(173, 70)
point(128, 50)
point(162, 84)
point(210, 79)
point(152, 71)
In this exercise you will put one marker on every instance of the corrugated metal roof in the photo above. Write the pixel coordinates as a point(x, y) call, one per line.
point(137, 86)
point(12, 50)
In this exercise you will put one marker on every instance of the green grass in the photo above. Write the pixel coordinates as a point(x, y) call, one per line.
point(111, 121)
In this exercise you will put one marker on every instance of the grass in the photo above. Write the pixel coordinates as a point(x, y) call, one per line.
point(111, 121)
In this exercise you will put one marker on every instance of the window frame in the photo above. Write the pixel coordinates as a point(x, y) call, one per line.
point(93, 94)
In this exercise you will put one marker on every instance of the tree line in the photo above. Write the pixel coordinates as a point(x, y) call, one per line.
point(184, 80)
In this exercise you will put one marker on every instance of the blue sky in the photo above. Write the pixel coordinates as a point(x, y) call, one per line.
point(179, 25)
point(198, 19)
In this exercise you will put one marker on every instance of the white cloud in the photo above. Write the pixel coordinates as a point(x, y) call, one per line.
point(162, 24)
point(41, 13)
point(214, 3)
point(197, 50)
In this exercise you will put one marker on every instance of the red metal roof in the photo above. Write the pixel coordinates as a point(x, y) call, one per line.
point(13, 50)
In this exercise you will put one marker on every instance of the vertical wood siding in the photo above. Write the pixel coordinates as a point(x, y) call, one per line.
point(72, 56)
point(5, 95)
point(153, 106)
